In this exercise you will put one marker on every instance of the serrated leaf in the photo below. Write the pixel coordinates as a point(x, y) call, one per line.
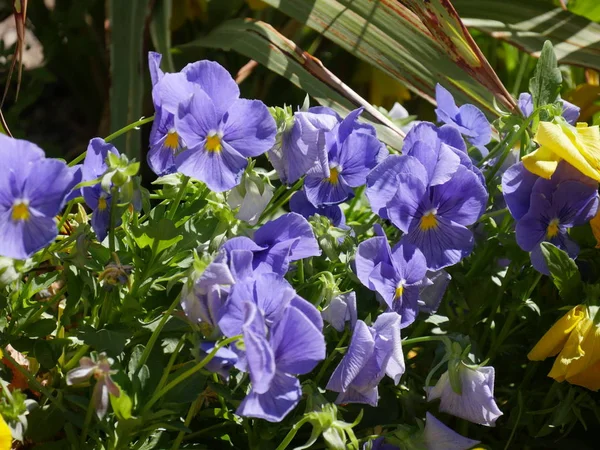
point(545, 83)
point(564, 271)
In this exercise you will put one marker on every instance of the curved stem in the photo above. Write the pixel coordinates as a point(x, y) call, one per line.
point(188, 373)
point(417, 340)
point(292, 433)
point(180, 194)
point(330, 358)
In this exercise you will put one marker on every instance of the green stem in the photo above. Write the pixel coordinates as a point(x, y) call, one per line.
point(129, 127)
point(281, 201)
point(114, 135)
point(76, 357)
point(88, 420)
point(180, 194)
point(486, 216)
point(170, 364)
point(418, 340)
point(186, 423)
point(331, 357)
point(65, 216)
point(155, 334)
point(113, 220)
point(188, 373)
point(292, 433)
point(520, 74)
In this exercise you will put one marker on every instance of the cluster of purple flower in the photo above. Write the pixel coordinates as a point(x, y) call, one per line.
point(242, 292)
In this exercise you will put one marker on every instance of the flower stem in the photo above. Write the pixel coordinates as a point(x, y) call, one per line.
point(180, 194)
point(282, 200)
point(113, 219)
point(114, 135)
point(292, 433)
point(88, 420)
point(188, 373)
point(155, 334)
point(330, 358)
point(417, 340)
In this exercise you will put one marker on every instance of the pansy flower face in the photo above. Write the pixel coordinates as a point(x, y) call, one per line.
point(200, 108)
point(33, 190)
point(351, 150)
point(94, 166)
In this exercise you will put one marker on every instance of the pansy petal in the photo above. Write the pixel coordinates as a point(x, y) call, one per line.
point(357, 157)
point(447, 109)
point(431, 294)
point(473, 119)
point(570, 112)
point(154, 60)
point(220, 170)
point(525, 103)
point(249, 127)
point(369, 396)
point(259, 355)
point(370, 253)
point(283, 395)
point(94, 164)
point(517, 185)
point(384, 279)
point(359, 352)
point(298, 344)
point(309, 310)
point(443, 245)
point(438, 436)
point(216, 81)
point(172, 90)
point(321, 191)
point(441, 162)
point(404, 207)
point(387, 325)
point(409, 262)
point(195, 119)
point(19, 239)
point(48, 198)
point(289, 227)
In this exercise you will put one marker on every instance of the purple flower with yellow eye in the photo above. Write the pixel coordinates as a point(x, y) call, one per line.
point(219, 129)
point(349, 153)
point(396, 274)
point(94, 166)
point(434, 218)
point(546, 209)
point(373, 353)
point(33, 190)
point(467, 119)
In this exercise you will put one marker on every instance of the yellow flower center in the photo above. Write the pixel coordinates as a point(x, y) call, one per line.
point(172, 140)
point(334, 175)
point(213, 143)
point(20, 211)
point(102, 204)
point(429, 221)
point(399, 290)
point(552, 229)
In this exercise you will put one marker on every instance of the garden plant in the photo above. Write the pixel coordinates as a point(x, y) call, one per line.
point(234, 271)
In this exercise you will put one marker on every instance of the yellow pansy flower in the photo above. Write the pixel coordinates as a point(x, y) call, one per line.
point(579, 146)
point(575, 341)
point(5, 435)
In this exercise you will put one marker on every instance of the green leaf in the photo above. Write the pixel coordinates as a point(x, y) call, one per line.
point(545, 83)
point(127, 64)
point(164, 232)
point(109, 341)
point(160, 32)
point(563, 269)
point(528, 24)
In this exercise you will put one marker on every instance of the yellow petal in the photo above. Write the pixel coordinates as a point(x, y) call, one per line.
point(555, 338)
point(589, 378)
point(579, 146)
point(5, 436)
point(571, 352)
point(542, 162)
point(590, 345)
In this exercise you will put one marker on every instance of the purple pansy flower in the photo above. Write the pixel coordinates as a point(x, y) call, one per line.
point(379, 444)
point(276, 244)
point(437, 436)
point(569, 111)
point(202, 302)
point(33, 190)
point(300, 204)
point(300, 144)
point(395, 274)
point(219, 129)
point(282, 338)
point(468, 119)
point(344, 162)
point(340, 310)
point(476, 402)
point(433, 289)
point(546, 209)
point(94, 166)
point(373, 352)
point(434, 218)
